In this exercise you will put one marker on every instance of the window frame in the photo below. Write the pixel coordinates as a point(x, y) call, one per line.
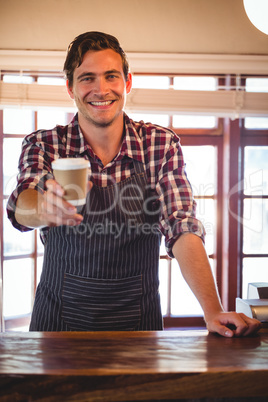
point(249, 137)
point(229, 137)
point(202, 137)
point(20, 320)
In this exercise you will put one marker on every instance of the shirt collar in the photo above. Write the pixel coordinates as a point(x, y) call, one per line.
point(75, 142)
point(131, 146)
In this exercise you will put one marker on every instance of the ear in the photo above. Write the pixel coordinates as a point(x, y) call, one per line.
point(129, 83)
point(69, 90)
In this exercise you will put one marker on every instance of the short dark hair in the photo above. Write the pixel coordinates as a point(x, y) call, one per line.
point(91, 41)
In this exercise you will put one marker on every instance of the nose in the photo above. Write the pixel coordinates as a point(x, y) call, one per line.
point(101, 87)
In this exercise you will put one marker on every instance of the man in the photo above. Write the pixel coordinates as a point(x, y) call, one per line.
point(100, 267)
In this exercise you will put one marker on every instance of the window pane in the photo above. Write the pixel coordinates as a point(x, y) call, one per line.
point(256, 122)
point(163, 286)
point(49, 118)
point(11, 153)
point(51, 81)
point(201, 168)
point(254, 270)
point(195, 83)
point(213, 265)
point(16, 242)
point(203, 181)
point(256, 170)
point(206, 213)
point(159, 119)
point(18, 79)
point(39, 267)
point(257, 84)
point(40, 246)
point(17, 287)
point(150, 82)
point(18, 121)
point(162, 247)
point(255, 226)
point(189, 121)
point(183, 301)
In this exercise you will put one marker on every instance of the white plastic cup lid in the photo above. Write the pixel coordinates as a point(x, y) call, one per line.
point(70, 163)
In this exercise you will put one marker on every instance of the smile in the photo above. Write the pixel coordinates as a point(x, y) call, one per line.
point(104, 103)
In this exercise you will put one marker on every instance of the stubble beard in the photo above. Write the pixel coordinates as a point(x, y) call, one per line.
point(98, 124)
point(101, 124)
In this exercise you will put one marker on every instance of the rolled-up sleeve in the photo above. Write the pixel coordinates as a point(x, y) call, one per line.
point(175, 194)
point(34, 169)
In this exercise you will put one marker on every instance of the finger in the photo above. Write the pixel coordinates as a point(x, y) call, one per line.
point(54, 202)
point(241, 325)
point(236, 324)
point(56, 211)
point(54, 187)
point(245, 325)
point(229, 325)
point(226, 331)
point(68, 221)
point(216, 326)
point(59, 219)
point(253, 325)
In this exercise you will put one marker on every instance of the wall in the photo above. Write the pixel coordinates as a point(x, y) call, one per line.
point(175, 26)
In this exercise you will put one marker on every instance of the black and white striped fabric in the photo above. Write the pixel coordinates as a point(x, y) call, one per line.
point(103, 274)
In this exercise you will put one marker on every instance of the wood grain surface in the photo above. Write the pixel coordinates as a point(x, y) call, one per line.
point(131, 366)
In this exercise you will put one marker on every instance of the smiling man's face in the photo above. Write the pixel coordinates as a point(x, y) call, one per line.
point(99, 88)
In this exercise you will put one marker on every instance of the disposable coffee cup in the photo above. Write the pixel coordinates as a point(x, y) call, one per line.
point(72, 175)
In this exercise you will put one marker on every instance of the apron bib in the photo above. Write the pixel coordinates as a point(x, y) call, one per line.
point(103, 274)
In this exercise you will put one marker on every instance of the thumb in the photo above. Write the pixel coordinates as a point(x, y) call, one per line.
point(227, 332)
point(223, 330)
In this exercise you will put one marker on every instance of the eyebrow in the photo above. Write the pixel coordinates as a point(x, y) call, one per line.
point(88, 74)
point(114, 71)
point(85, 75)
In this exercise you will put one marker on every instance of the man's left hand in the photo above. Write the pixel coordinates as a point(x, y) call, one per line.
point(233, 324)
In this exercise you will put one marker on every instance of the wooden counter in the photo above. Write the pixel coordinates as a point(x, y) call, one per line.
point(131, 366)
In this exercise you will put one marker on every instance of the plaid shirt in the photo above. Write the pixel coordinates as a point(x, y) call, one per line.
point(156, 147)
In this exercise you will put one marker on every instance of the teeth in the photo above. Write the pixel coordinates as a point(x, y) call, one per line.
point(106, 103)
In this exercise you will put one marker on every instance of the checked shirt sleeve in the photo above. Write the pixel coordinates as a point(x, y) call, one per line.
point(34, 170)
point(178, 204)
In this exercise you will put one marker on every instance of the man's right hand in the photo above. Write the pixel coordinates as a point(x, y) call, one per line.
point(55, 210)
point(34, 209)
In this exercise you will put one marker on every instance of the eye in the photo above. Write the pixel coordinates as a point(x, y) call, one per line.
point(112, 76)
point(86, 79)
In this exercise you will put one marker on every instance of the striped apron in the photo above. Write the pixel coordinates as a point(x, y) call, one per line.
point(103, 274)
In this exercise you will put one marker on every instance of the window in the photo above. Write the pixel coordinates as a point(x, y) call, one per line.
point(220, 153)
point(22, 253)
point(255, 216)
point(257, 85)
point(177, 301)
point(195, 83)
point(18, 248)
point(254, 197)
point(150, 81)
point(160, 119)
point(189, 121)
point(204, 184)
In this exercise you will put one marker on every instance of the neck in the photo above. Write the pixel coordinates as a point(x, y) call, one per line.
point(104, 141)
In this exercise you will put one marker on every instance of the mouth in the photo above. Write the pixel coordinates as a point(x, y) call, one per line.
point(101, 103)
